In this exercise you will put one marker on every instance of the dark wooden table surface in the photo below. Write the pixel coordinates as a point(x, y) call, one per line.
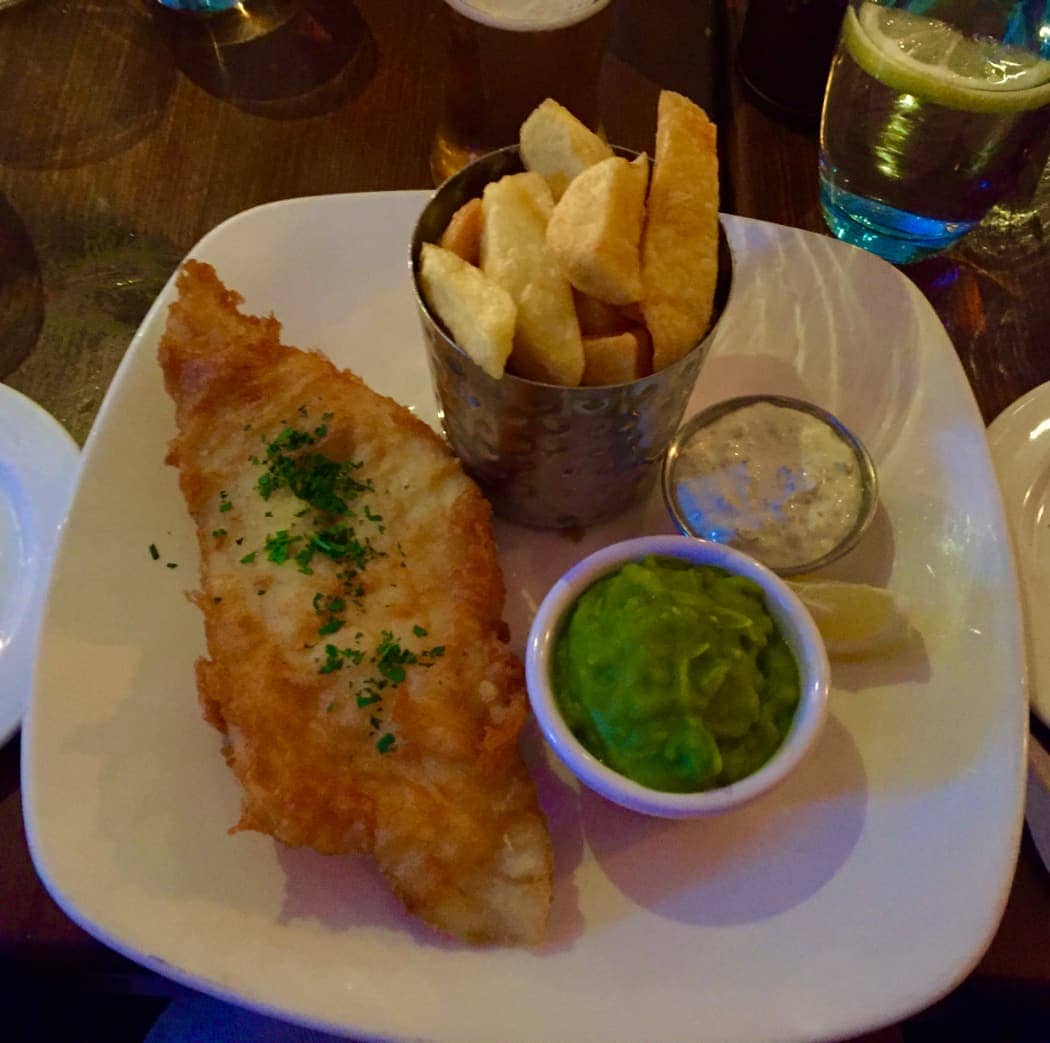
point(123, 140)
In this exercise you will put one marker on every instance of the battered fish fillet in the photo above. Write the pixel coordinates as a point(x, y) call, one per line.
point(351, 596)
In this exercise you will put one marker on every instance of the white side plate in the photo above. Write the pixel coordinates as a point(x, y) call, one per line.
point(38, 467)
point(862, 889)
point(1020, 441)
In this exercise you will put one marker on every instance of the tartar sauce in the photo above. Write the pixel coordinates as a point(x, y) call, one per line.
point(778, 483)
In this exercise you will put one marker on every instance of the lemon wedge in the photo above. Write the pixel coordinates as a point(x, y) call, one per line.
point(854, 619)
point(934, 61)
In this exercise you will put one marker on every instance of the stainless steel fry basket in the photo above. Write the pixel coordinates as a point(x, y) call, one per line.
point(549, 456)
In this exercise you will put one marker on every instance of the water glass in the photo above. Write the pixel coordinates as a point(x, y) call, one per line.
point(933, 110)
point(200, 6)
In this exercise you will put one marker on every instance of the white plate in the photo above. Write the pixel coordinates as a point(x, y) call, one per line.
point(863, 888)
point(38, 466)
point(1020, 441)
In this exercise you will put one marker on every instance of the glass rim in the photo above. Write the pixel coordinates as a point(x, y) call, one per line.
point(523, 25)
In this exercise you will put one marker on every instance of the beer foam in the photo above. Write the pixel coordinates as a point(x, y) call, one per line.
point(533, 15)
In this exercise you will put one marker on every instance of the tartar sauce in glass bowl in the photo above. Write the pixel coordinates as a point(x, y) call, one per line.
point(775, 477)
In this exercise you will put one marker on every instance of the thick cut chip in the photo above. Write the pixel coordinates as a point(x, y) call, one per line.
point(478, 312)
point(351, 597)
point(680, 241)
point(617, 359)
point(462, 234)
point(556, 144)
point(596, 229)
point(598, 319)
point(514, 254)
point(533, 185)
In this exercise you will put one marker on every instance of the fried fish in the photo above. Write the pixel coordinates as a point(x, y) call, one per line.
point(351, 596)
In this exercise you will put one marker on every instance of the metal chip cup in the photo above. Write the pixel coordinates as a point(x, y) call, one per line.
point(548, 456)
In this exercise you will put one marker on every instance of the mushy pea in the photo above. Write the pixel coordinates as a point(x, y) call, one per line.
point(675, 675)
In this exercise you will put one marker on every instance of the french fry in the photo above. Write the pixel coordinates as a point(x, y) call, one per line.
point(537, 189)
point(514, 254)
point(556, 144)
point(617, 359)
point(462, 235)
point(607, 284)
point(632, 314)
point(680, 241)
point(479, 313)
point(596, 229)
point(598, 319)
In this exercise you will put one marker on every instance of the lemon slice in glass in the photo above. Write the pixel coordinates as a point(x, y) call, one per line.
point(934, 61)
point(854, 619)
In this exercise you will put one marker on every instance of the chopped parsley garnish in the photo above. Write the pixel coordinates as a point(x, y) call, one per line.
point(333, 660)
point(376, 519)
point(172, 564)
point(153, 552)
point(327, 485)
point(278, 546)
point(332, 523)
point(335, 657)
point(391, 659)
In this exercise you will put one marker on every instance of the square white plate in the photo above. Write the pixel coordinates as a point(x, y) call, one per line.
point(862, 889)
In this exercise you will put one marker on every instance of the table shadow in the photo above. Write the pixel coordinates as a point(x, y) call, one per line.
point(281, 59)
point(49, 49)
point(21, 291)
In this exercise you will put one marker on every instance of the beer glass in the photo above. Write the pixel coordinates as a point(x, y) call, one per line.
point(932, 112)
point(503, 57)
point(785, 52)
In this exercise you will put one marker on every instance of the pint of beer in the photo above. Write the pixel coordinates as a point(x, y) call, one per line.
point(503, 58)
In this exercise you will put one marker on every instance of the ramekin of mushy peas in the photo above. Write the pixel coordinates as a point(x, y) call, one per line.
point(676, 676)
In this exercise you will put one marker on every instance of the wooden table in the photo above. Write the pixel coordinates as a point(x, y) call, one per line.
point(121, 144)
